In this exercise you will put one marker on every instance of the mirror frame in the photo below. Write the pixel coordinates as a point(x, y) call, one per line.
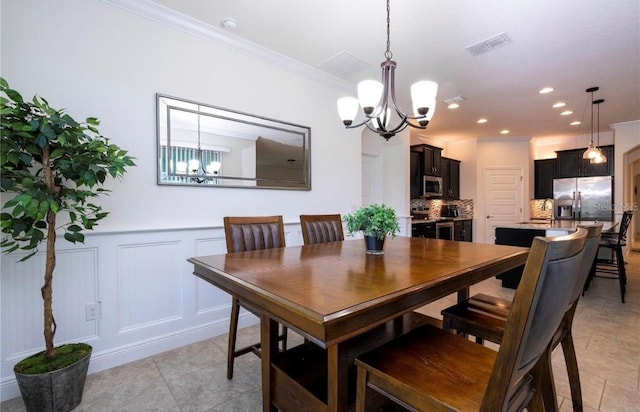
point(163, 134)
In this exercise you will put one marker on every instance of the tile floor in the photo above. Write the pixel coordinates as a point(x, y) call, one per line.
point(193, 378)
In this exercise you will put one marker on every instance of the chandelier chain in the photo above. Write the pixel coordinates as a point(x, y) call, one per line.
point(387, 54)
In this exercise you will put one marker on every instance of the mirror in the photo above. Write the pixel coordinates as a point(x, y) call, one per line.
point(208, 146)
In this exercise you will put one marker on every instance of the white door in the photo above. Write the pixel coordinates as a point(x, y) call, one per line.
point(371, 180)
point(503, 194)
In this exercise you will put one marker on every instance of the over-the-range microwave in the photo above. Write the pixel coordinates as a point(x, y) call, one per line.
point(432, 186)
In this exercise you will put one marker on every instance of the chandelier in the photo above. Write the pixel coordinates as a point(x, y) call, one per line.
point(195, 168)
point(378, 100)
point(593, 152)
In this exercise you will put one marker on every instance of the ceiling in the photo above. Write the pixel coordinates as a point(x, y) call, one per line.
point(569, 45)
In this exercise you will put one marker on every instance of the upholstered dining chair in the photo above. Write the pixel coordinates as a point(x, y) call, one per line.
point(430, 369)
point(245, 234)
point(321, 228)
point(485, 316)
point(615, 268)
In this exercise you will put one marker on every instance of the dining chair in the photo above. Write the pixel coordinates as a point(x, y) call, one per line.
point(246, 233)
point(485, 316)
point(321, 228)
point(614, 268)
point(433, 370)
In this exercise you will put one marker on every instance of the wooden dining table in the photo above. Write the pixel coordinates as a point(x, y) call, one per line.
point(343, 302)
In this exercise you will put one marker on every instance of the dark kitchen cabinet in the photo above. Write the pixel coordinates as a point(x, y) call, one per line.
point(463, 230)
point(431, 160)
point(424, 230)
point(416, 180)
point(515, 237)
point(544, 173)
point(450, 170)
point(570, 163)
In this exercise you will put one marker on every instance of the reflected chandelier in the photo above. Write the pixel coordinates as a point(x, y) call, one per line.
point(378, 98)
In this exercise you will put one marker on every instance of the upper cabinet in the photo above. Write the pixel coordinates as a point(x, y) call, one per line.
point(432, 156)
point(428, 160)
point(544, 172)
point(450, 171)
point(416, 165)
point(571, 164)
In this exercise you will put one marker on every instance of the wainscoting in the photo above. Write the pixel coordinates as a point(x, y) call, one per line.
point(147, 299)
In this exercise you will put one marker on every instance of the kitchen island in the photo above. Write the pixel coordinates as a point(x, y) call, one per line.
point(522, 234)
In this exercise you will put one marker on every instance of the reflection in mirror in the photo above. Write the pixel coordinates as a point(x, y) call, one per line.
point(209, 146)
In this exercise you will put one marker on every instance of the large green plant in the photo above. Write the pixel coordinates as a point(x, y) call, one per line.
point(52, 164)
point(373, 220)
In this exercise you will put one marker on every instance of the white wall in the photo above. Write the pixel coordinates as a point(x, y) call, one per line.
point(98, 60)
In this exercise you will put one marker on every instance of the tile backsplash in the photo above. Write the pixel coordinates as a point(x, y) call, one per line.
point(541, 208)
point(465, 206)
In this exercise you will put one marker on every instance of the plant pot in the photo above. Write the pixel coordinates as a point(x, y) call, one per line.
point(59, 390)
point(374, 245)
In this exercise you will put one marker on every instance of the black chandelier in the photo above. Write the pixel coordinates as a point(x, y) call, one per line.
point(378, 98)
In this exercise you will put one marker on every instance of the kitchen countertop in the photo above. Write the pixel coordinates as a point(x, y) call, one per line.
point(569, 225)
point(417, 220)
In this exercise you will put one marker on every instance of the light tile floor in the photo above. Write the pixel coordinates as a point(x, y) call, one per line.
point(193, 377)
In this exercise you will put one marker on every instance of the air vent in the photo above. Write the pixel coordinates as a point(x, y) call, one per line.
point(343, 64)
point(488, 45)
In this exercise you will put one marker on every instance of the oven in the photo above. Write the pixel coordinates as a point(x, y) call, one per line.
point(444, 230)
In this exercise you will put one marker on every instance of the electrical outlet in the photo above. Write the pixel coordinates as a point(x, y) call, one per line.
point(92, 311)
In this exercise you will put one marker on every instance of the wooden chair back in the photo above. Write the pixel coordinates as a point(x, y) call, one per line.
point(245, 233)
point(591, 246)
point(539, 305)
point(624, 226)
point(321, 228)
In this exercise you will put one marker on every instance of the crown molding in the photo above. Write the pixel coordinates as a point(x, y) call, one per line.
point(179, 21)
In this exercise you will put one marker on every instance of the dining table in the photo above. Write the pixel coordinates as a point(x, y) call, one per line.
point(344, 302)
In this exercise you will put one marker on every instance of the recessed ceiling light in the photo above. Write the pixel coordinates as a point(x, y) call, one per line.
point(559, 104)
point(483, 120)
point(546, 90)
point(566, 113)
point(575, 123)
point(229, 23)
point(504, 131)
point(454, 102)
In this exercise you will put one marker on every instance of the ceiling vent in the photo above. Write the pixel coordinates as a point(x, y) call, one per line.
point(489, 44)
point(343, 64)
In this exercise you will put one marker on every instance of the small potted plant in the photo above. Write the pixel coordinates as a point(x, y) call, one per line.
point(375, 222)
point(53, 165)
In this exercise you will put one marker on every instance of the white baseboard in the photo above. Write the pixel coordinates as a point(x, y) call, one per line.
point(119, 356)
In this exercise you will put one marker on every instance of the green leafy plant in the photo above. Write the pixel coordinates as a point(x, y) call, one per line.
point(52, 164)
point(373, 220)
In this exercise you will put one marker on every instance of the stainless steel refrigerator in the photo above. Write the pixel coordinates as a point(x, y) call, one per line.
point(583, 198)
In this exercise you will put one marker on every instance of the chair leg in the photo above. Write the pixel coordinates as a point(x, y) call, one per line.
point(361, 390)
point(545, 386)
point(284, 338)
point(572, 371)
point(622, 272)
point(233, 332)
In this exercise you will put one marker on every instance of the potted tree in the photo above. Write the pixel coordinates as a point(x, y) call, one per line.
point(51, 164)
point(375, 222)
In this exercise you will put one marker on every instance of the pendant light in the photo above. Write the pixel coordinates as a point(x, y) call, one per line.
point(592, 151)
point(600, 157)
point(377, 100)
